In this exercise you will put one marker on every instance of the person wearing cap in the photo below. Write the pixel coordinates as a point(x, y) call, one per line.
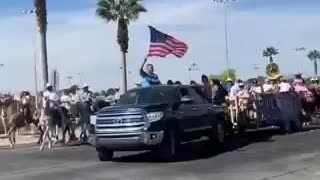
point(55, 103)
point(235, 88)
point(229, 84)
point(51, 94)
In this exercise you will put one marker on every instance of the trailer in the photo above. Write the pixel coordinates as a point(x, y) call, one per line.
point(275, 109)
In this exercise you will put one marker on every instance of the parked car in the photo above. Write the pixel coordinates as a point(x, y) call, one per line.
point(157, 118)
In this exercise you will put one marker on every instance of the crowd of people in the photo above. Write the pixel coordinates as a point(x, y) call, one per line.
point(216, 90)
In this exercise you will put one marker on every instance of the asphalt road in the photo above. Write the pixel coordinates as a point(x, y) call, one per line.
point(254, 156)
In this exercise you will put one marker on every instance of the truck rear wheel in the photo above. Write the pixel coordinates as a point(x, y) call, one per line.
point(104, 154)
point(217, 136)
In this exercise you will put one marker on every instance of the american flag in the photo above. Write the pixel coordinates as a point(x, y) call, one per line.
point(162, 45)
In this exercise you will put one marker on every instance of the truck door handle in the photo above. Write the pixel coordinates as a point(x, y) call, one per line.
point(194, 108)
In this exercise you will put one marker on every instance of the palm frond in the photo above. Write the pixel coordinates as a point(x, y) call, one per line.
point(314, 55)
point(107, 10)
point(270, 51)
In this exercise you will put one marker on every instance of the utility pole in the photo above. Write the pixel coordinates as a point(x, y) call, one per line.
point(70, 80)
point(300, 50)
point(225, 3)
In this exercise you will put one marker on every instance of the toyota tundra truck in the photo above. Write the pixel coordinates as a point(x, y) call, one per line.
point(157, 118)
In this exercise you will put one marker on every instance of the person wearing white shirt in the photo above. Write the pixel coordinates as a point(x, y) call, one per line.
point(285, 86)
point(51, 95)
point(235, 88)
point(66, 100)
point(256, 88)
point(267, 87)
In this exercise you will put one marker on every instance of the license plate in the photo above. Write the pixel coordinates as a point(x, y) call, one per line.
point(93, 119)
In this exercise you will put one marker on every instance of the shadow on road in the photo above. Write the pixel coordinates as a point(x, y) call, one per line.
point(199, 150)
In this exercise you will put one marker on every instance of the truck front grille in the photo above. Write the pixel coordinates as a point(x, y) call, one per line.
point(119, 121)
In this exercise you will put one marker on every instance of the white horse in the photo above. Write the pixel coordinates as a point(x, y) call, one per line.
point(47, 123)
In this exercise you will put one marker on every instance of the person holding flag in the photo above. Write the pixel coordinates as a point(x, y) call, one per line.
point(149, 78)
point(161, 45)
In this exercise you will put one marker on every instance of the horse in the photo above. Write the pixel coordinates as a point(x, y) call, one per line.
point(47, 124)
point(84, 112)
point(4, 103)
point(19, 115)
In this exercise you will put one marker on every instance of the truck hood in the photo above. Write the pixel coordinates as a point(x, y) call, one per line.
point(136, 107)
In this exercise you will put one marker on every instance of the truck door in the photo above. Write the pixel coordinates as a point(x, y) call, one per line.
point(202, 120)
point(187, 111)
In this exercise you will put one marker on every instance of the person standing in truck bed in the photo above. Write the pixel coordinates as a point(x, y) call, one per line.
point(149, 78)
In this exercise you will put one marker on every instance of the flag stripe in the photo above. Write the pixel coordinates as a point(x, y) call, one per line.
point(162, 45)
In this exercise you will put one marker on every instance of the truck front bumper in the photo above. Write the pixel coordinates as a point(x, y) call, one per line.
point(128, 141)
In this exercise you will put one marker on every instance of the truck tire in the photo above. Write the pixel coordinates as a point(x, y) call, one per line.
point(296, 126)
point(217, 136)
point(104, 154)
point(168, 149)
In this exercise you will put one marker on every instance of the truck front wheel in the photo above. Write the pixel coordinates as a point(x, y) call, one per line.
point(169, 147)
point(104, 154)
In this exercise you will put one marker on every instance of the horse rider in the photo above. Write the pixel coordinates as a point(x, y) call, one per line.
point(87, 97)
point(55, 102)
point(25, 98)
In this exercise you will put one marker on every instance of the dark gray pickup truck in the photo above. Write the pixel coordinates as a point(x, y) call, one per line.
point(157, 118)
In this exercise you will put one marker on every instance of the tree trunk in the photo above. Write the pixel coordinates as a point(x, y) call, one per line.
point(124, 74)
point(315, 66)
point(41, 15)
point(44, 58)
point(270, 59)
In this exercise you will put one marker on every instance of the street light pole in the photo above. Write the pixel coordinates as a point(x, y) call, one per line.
point(80, 78)
point(225, 3)
point(34, 57)
point(70, 79)
point(298, 50)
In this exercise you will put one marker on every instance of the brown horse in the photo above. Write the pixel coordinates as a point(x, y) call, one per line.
point(20, 115)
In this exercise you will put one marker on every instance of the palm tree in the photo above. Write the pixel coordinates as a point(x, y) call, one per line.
point(41, 14)
point(121, 11)
point(270, 52)
point(314, 56)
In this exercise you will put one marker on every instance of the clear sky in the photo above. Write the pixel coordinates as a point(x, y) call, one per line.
point(78, 41)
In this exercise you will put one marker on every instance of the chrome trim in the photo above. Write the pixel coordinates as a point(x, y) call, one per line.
point(118, 114)
point(118, 134)
point(119, 117)
point(119, 129)
point(140, 138)
point(119, 125)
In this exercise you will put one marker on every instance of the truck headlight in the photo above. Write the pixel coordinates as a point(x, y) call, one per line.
point(154, 116)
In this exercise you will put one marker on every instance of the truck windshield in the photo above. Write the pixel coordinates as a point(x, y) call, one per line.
point(148, 96)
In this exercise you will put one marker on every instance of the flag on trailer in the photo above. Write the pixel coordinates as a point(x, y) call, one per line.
point(162, 45)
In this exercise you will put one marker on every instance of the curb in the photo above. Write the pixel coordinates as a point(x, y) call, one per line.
point(34, 144)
